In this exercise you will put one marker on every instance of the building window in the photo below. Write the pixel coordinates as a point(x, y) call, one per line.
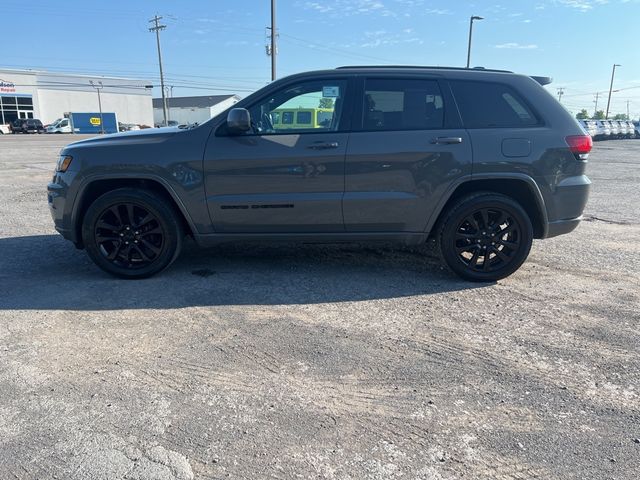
point(13, 107)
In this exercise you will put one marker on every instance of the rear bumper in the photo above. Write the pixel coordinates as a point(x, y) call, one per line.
point(562, 226)
point(566, 204)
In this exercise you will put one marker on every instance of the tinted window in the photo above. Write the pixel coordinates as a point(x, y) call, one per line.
point(488, 105)
point(402, 105)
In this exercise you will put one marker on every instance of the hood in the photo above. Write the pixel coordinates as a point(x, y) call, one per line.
point(146, 136)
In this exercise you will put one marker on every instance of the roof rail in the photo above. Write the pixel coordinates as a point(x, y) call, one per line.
point(420, 66)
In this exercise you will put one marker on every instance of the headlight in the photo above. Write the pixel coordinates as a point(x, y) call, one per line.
point(63, 163)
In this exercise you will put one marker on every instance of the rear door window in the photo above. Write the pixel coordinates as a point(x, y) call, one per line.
point(402, 104)
point(491, 105)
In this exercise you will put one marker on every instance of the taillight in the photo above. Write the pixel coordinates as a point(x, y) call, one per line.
point(580, 145)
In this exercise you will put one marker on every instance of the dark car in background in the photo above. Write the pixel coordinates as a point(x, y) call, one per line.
point(481, 161)
point(27, 125)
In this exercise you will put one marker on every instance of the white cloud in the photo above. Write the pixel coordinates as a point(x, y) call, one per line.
point(582, 5)
point(517, 46)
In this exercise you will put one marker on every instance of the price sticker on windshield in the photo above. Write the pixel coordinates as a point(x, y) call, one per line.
point(330, 92)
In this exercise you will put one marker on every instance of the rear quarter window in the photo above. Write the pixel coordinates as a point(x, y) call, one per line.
point(491, 105)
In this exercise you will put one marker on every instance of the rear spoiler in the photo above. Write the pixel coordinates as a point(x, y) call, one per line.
point(543, 80)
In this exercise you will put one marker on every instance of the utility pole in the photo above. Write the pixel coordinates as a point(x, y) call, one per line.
point(560, 93)
point(613, 73)
point(595, 110)
point(98, 87)
point(273, 40)
point(628, 117)
point(156, 28)
point(474, 17)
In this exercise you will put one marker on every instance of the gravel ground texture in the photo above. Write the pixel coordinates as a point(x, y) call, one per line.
point(330, 362)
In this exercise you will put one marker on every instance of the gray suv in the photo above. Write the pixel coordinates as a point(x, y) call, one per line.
point(482, 161)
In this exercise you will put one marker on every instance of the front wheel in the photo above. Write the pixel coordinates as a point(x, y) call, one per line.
point(132, 233)
point(485, 237)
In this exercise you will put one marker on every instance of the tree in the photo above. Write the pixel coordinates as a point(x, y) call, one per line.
point(582, 114)
point(326, 103)
point(621, 116)
point(599, 115)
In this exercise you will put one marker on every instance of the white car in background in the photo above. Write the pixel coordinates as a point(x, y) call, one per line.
point(62, 125)
point(589, 127)
point(603, 130)
point(622, 128)
point(5, 129)
point(615, 128)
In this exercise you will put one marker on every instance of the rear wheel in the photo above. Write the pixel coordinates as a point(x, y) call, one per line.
point(132, 233)
point(485, 237)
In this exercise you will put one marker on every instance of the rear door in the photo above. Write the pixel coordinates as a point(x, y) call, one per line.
point(406, 151)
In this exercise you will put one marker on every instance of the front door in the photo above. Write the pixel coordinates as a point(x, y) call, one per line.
point(402, 158)
point(286, 175)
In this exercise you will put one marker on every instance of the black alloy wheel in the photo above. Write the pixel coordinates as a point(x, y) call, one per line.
point(129, 236)
point(132, 233)
point(486, 237)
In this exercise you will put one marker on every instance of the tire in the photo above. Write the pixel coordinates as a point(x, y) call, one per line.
point(132, 233)
point(480, 223)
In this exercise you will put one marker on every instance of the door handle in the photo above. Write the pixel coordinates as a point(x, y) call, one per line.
point(446, 140)
point(323, 146)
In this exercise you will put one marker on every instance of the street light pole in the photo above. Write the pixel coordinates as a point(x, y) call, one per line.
point(613, 73)
point(474, 17)
point(98, 87)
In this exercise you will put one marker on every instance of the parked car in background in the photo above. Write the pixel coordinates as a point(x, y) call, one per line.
point(603, 130)
point(481, 161)
point(615, 128)
point(631, 129)
point(622, 128)
point(5, 129)
point(128, 127)
point(62, 125)
point(27, 125)
point(636, 127)
point(589, 127)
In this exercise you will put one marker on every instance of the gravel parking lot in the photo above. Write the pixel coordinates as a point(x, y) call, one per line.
point(337, 362)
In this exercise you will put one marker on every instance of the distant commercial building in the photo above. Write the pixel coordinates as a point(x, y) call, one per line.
point(185, 110)
point(49, 95)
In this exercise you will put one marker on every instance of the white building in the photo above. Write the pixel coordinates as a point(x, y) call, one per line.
point(49, 95)
point(185, 110)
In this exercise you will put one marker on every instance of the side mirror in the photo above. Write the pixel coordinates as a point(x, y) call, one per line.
point(238, 121)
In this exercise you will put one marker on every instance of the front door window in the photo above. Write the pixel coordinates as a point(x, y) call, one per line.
point(309, 107)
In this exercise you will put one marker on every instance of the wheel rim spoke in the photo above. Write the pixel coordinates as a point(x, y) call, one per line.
point(116, 212)
point(107, 226)
point(484, 213)
point(149, 218)
point(130, 214)
point(150, 246)
point(500, 254)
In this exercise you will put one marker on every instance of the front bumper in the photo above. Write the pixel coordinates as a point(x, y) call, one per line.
point(59, 207)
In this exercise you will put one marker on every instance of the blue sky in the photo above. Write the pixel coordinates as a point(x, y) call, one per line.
point(219, 46)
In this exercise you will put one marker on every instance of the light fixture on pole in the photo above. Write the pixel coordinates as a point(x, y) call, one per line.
point(474, 17)
point(98, 86)
point(613, 73)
